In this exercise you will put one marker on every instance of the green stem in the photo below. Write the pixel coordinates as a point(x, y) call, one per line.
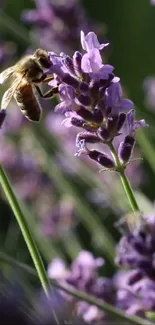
point(80, 295)
point(25, 230)
point(124, 179)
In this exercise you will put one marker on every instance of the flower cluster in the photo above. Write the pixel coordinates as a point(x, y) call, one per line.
point(83, 275)
point(91, 98)
point(136, 251)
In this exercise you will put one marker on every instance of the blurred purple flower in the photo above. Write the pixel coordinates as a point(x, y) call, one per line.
point(83, 275)
point(61, 220)
point(137, 249)
point(57, 23)
point(7, 51)
point(149, 91)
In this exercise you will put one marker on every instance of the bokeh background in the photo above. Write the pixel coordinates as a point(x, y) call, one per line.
point(69, 206)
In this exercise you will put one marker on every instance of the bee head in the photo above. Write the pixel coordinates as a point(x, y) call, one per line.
point(42, 58)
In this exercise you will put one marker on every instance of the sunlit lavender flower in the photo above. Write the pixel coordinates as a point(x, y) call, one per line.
point(152, 2)
point(91, 97)
point(83, 275)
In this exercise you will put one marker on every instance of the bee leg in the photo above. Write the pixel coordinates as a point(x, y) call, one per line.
point(49, 94)
point(48, 79)
point(43, 79)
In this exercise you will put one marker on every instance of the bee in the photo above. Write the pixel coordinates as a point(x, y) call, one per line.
point(25, 77)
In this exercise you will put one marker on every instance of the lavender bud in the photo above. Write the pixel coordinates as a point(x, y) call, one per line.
point(112, 123)
point(94, 154)
point(101, 158)
point(68, 63)
point(102, 92)
point(2, 116)
point(125, 148)
point(69, 80)
point(88, 137)
point(83, 87)
point(85, 113)
point(98, 116)
point(135, 276)
point(84, 100)
point(101, 105)
point(105, 161)
point(77, 57)
point(106, 82)
point(121, 121)
point(103, 134)
point(94, 89)
point(77, 122)
point(107, 111)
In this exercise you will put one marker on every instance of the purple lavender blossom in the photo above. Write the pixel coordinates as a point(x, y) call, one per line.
point(136, 251)
point(91, 98)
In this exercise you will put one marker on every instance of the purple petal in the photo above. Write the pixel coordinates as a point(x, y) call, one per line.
point(66, 92)
point(57, 66)
point(130, 119)
point(91, 61)
point(62, 107)
point(140, 124)
point(90, 41)
point(126, 104)
point(105, 70)
point(113, 95)
point(67, 121)
point(55, 59)
point(57, 269)
point(115, 79)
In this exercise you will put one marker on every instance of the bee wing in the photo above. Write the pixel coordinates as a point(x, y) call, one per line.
point(4, 75)
point(9, 94)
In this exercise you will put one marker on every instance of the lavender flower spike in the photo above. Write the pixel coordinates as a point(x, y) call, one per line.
point(91, 97)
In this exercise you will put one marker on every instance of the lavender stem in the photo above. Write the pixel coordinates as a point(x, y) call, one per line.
point(125, 182)
point(25, 230)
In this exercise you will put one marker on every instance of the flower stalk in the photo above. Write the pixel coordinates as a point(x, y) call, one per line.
point(124, 179)
point(15, 206)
